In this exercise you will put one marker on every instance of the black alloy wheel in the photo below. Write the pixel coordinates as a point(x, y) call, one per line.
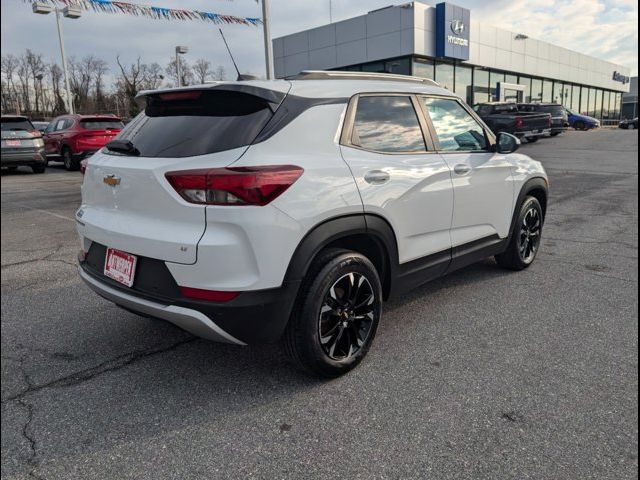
point(346, 316)
point(529, 237)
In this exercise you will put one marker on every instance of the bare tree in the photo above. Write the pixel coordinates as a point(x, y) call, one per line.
point(202, 70)
point(36, 69)
point(153, 76)
point(55, 77)
point(9, 94)
point(185, 71)
point(220, 73)
point(131, 81)
point(23, 74)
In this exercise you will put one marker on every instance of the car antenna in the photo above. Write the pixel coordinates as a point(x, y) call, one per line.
point(240, 76)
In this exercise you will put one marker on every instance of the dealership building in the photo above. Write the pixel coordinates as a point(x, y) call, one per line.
point(477, 61)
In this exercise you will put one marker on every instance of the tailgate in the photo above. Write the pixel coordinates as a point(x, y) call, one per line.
point(537, 121)
point(128, 204)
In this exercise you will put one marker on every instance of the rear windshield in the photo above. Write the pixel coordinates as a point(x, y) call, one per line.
point(101, 124)
point(505, 108)
point(16, 124)
point(186, 124)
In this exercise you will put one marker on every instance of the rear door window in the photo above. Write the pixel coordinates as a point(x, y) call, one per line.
point(190, 123)
point(387, 124)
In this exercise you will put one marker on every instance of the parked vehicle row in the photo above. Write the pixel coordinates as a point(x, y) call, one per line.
point(629, 124)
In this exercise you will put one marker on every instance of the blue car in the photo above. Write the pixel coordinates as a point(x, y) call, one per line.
point(582, 122)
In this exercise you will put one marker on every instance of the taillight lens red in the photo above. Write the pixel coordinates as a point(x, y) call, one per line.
point(209, 295)
point(234, 185)
point(519, 123)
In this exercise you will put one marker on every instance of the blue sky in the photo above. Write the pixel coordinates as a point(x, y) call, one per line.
point(606, 29)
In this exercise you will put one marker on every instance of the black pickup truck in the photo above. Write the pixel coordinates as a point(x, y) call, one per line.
point(559, 116)
point(505, 117)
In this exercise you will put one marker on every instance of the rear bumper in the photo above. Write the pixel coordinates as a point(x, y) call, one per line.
point(252, 317)
point(534, 133)
point(15, 159)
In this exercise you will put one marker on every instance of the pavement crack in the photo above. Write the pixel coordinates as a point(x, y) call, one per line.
point(88, 374)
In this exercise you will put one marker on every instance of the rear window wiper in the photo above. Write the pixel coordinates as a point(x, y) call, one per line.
point(122, 146)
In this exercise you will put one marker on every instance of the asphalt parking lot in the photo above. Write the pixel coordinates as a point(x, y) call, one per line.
point(483, 374)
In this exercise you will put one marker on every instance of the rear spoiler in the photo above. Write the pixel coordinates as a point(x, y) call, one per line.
point(273, 97)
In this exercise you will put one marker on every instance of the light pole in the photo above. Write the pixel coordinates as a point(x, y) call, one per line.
point(68, 12)
point(180, 50)
point(268, 50)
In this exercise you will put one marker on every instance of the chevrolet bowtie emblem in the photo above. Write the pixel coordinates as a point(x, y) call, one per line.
point(111, 180)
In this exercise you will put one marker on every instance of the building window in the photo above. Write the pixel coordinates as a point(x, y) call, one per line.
point(605, 104)
point(400, 66)
point(566, 96)
point(575, 98)
point(526, 82)
point(617, 100)
point(480, 86)
point(464, 83)
point(494, 79)
point(536, 90)
point(445, 76)
point(598, 110)
point(513, 79)
point(423, 68)
point(547, 91)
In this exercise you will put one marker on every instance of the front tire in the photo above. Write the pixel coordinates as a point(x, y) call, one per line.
point(70, 163)
point(579, 125)
point(525, 238)
point(336, 314)
point(39, 168)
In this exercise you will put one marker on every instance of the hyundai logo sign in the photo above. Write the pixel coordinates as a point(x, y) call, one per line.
point(618, 77)
point(457, 27)
point(452, 31)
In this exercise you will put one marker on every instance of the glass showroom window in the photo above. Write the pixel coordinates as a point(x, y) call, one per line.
point(584, 101)
point(592, 102)
point(464, 83)
point(547, 91)
point(480, 86)
point(423, 68)
point(445, 76)
point(401, 66)
point(616, 106)
point(566, 95)
point(536, 90)
point(598, 110)
point(575, 98)
point(526, 82)
point(494, 79)
point(605, 104)
point(508, 78)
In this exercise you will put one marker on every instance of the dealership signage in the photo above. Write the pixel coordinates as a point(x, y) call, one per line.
point(618, 77)
point(452, 31)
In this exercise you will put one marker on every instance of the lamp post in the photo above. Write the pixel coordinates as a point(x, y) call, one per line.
point(180, 50)
point(268, 49)
point(69, 12)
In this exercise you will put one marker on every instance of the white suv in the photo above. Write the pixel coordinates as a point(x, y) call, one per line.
point(252, 211)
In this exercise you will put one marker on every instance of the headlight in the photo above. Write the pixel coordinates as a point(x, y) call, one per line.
point(38, 142)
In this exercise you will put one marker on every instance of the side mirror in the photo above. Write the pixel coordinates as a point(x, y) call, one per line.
point(507, 143)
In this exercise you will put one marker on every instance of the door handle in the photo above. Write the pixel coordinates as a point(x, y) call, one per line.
point(462, 169)
point(376, 177)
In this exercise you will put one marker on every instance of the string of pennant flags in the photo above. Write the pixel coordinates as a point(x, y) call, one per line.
point(150, 11)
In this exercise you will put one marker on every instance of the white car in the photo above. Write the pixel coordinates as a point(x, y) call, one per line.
point(255, 211)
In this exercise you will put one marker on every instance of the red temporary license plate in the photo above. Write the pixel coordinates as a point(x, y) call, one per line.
point(13, 143)
point(120, 266)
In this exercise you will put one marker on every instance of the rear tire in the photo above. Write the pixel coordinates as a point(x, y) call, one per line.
point(70, 162)
point(336, 314)
point(525, 237)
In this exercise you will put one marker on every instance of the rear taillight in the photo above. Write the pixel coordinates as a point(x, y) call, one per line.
point(209, 295)
point(235, 185)
point(519, 123)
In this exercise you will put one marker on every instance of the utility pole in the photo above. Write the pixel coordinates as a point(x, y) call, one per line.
point(64, 64)
point(268, 50)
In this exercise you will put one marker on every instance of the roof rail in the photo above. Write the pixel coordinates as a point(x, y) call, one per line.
point(350, 75)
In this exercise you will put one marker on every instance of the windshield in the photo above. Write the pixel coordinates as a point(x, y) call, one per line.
point(190, 123)
point(505, 108)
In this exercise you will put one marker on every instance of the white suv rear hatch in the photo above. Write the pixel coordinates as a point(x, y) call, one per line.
point(127, 202)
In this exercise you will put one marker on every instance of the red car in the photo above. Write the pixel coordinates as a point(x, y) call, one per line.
point(75, 137)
